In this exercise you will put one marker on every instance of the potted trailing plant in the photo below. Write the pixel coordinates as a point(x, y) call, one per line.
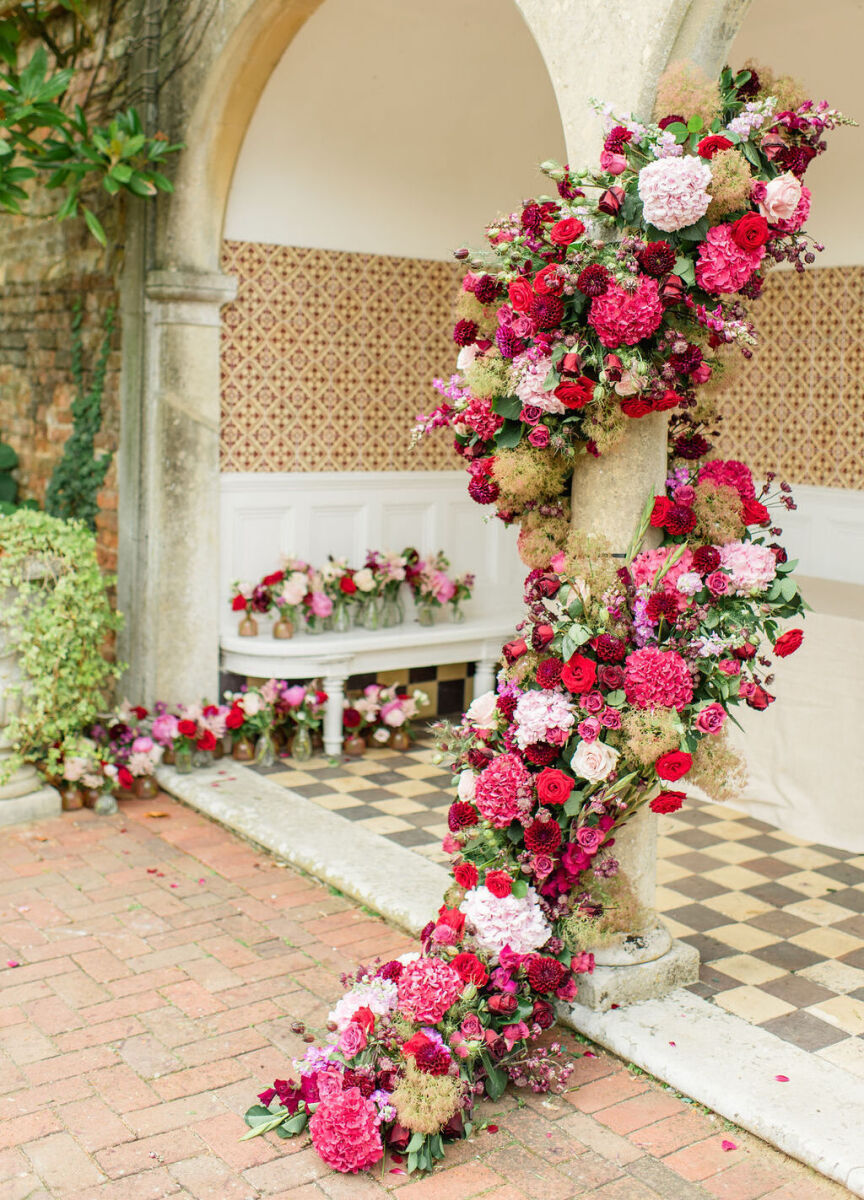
point(57, 620)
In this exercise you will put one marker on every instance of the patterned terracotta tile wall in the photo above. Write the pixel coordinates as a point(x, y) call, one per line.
point(328, 356)
point(797, 407)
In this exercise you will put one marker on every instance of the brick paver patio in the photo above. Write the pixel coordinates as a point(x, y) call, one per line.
point(162, 964)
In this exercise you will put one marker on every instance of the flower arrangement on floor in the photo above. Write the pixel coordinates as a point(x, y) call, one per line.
point(623, 676)
point(336, 596)
point(626, 294)
point(382, 715)
point(299, 714)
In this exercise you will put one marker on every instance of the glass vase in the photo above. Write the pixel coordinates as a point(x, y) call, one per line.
point(456, 614)
point(244, 749)
point(265, 752)
point(372, 613)
point(183, 760)
point(341, 619)
point(106, 804)
point(301, 747)
point(202, 758)
point(425, 614)
point(390, 613)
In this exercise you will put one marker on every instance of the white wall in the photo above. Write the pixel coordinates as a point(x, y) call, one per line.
point(820, 44)
point(396, 127)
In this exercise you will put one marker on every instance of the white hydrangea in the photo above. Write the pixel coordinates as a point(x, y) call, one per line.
point(377, 994)
point(506, 921)
point(674, 192)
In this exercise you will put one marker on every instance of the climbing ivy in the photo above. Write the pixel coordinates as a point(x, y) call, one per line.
point(80, 473)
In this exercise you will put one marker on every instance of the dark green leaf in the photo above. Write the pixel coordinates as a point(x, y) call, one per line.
point(95, 227)
point(507, 406)
point(509, 435)
point(8, 457)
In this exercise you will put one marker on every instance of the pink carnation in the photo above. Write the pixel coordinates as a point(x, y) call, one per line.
point(731, 473)
point(674, 192)
point(646, 565)
point(723, 265)
point(503, 792)
point(802, 212)
point(621, 317)
point(657, 679)
point(427, 988)
point(480, 417)
point(345, 1132)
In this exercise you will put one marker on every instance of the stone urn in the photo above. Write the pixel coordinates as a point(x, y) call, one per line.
point(23, 795)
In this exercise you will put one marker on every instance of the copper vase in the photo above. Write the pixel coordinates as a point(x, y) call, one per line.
point(244, 750)
point(70, 797)
point(283, 628)
point(145, 787)
point(354, 746)
point(248, 627)
point(399, 740)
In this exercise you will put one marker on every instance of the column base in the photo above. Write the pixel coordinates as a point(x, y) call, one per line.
point(622, 985)
point(34, 806)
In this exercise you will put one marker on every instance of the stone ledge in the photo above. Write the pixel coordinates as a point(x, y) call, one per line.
point(34, 806)
point(631, 984)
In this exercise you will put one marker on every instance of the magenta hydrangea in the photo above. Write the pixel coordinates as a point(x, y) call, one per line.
point(723, 265)
point(345, 1131)
point(731, 473)
point(657, 679)
point(504, 791)
point(624, 318)
point(674, 192)
point(427, 988)
point(645, 566)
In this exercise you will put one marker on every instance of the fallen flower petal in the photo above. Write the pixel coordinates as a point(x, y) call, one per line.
point(782, 1078)
point(12, 963)
point(589, 1054)
point(729, 1145)
point(397, 1171)
point(672, 1043)
point(491, 1128)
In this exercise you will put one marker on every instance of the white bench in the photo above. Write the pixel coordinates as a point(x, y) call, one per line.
point(333, 657)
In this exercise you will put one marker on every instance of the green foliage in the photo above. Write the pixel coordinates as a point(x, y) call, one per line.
point(56, 616)
point(78, 476)
point(9, 501)
point(44, 140)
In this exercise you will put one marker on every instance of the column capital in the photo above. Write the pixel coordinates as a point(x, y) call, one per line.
point(202, 287)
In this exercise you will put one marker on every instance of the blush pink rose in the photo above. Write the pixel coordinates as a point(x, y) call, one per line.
point(711, 719)
point(730, 666)
point(352, 1040)
point(718, 583)
point(781, 198)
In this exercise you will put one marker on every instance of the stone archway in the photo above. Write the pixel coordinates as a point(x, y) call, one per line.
point(173, 291)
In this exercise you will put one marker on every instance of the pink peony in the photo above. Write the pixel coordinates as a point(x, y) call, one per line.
point(731, 473)
point(427, 988)
point(723, 265)
point(345, 1131)
point(674, 192)
point(504, 792)
point(621, 317)
point(657, 679)
point(321, 605)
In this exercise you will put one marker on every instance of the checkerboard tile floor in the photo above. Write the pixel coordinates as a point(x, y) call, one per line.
point(778, 922)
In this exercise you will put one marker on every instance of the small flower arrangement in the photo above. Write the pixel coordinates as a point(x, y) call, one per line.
point(396, 711)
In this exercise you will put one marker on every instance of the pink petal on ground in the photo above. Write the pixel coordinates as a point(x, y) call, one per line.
point(397, 1171)
point(491, 1128)
point(200, 880)
point(589, 1054)
point(729, 1145)
point(173, 885)
point(151, 871)
point(782, 1078)
point(12, 963)
point(672, 1043)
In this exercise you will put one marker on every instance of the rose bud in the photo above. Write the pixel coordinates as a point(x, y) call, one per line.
point(744, 652)
point(779, 553)
point(503, 1002)
point(611, 200)
point(542, 636)
point(399, 1137)
point(515, 649)
point(461, 254)
point(672, 290)
point(571, 362)
point(548, 586)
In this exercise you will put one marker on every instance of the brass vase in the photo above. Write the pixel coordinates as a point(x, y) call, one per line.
point(70, 797)
point(244, 750)
point(145, 787)
point(248, 627)
point(399, 740)
point(283, 628)
point(354, 746)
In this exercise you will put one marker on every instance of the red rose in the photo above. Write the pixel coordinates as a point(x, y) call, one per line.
point(499, 883)
point(672, 290)
point(665, 400)
point(564, 232)
point(347, 585)
point(579, 674)
point(270, 580)
point(239, 603)
point(235, 718)
point(503, 1003)
point(124, 778)
point(667, 802)
point(543, 1014)
point(662, 507)
point(470, 969)
point(709, 146)
point(575, 393)
point(541, 636)
point(365, 1018)
point(611, 200)
point(788, 642)
point(521, 294)
point(635, 407)
point(452, 918)
point(140, 712)
point(750, 231)
point(673, 765)
point(554, 786)
point(321, 697)
point(187, 729)
point(547, 282)
point(515, 649)
point(207, 740)
point(571, 362)
point(759, 698)
point(351, 718)
point(466, 875)
point(753, 512)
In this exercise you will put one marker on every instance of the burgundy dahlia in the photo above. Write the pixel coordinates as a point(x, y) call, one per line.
point(507, 342)
point(543, 837)
point(506, 704)
point(661, 604)
point(359, 1079)
point(750, 89)
point(541, 754)
point(549, 672)
point(796, 159)
point(610, 649)
point(462, 815)
point(656, 259)
point(691, 446)
point(483, 490)
point(705, 560)
point(433, 1060)
point(547, 311)
point(687, 362)
point(680, 520)
point(532, 217)
point(594, 280)
point(545, 974)
point(617, 138)
point(671, 119)
point(486, 289)
point(465, 333)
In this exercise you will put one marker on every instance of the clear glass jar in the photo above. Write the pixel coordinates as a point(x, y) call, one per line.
point(202, 758)
point(341, 619)
point(426, 614)
point(390, 613)
point(265, 752)
point(372, 613)
point(301, 746)
point(105, 805)
point(456, 613)
point(183, 760)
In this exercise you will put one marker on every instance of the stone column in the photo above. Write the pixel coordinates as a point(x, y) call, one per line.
point(169, 500)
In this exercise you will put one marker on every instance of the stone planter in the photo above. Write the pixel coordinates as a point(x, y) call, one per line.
point(23, 796)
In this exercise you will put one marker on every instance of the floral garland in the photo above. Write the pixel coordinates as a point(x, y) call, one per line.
point(623, 677)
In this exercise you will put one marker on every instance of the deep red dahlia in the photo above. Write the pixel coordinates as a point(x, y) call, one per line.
point(483, 490)
point(432, 1059)
point(610, 649)
point(506, 704)
point(796, 159)
point(545, 974)
point(680, 520)
point(617, 138)
point(462, 815)
point(465, 333)
point(547, 311)
point(486, 289)
point(549, 672)
point(543, 837)
point(661, 604)
point(706, 559)
point(541, 754)
point(594, 280)
point(691, 446)
point(507, 342)
point(656, 259)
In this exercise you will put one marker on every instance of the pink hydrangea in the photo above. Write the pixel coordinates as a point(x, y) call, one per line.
point(674, 192)
point(503, 792)
point(657, 679)
point(645, 566)
point(345, 1131)
point(752, 567)
point(625, 318)
point(500, 921)
point(723, 265)
point(802, 212)
point(730, 472)
point(531, 376)
point(542, 716)
point(480, 417)
point(427, 988)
